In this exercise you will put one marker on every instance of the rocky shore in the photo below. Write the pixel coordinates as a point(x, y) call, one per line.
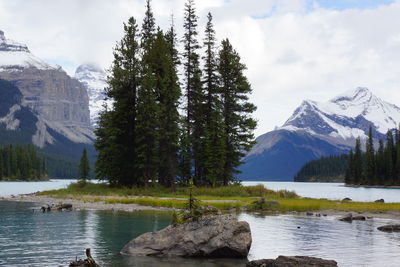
point(100, 205)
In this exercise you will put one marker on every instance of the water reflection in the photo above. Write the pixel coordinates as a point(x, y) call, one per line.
point(56, 238)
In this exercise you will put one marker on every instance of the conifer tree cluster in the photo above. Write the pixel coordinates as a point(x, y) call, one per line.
point(21, 163)
point(161, 130)
point(381, 167)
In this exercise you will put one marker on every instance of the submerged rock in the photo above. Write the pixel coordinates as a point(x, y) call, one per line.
point(292, 261)
point(359, 218)
point(390, 228)
point(214, 236)
point(347, 218)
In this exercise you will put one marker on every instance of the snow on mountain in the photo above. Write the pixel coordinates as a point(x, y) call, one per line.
point(346, 116)
point(318, 129)
point(16, 56)
point(95, 81)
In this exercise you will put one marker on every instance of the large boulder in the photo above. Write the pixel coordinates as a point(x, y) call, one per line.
point(292, 261)
point(214, 236)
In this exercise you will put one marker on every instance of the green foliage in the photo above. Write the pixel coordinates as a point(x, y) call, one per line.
point(84, 166)
point(324, 169)
point(142, 137)
point(21, 163)
point(381, 167)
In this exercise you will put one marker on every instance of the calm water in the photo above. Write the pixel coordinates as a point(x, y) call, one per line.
point(314, 190)
point(53, 239)
point(334, 191)
point(14, 188)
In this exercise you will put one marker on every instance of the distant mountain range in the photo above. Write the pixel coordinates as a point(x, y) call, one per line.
point(41, 104)
point(318, 129)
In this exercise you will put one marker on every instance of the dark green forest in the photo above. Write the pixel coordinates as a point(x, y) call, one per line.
point(21, 162)
point(325, 169)
point(381, 167)
point(173, 127)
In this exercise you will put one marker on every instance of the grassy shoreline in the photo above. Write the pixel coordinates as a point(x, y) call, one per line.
point(225, 198)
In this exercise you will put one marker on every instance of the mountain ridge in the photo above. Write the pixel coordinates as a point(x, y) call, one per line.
point(317, 129)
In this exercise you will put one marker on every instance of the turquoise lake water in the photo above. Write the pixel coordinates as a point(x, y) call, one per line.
point(30, 238)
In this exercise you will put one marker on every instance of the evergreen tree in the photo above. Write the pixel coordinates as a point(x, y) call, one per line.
point(238, 123)
point(147, 129)
point(168, 95)
point(389, 157)
point(116, 134)
point(370, 159)
point(380, 163)
point(194, 94)
point(213, 145)
point(357, 163)
point(84, 166)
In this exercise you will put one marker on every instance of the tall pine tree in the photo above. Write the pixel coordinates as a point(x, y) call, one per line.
point(84, 166)
point(194, 94)
point(370, 159)
point(213, 141)
point(116, 134)
point(237, 110)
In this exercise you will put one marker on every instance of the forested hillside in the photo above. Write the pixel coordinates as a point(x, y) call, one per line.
point(325, 169)
point(21, 163)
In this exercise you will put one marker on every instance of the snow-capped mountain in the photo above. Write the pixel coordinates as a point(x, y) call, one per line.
point(15, 56)
point(47, 107)
point(318, 129)
point(95, 81)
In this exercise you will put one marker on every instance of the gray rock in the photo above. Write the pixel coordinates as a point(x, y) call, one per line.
point(347, 218)
point(292, 261)
point(309, 213)
point(390, 228)
point(217, 236)
point(380, 200)
point(347, 199)
point(359, 218)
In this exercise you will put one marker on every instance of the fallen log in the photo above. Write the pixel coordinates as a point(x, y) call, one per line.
point(88, 262)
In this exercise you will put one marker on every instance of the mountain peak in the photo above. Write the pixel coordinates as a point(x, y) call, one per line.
point(15, 56)
point(360, 94)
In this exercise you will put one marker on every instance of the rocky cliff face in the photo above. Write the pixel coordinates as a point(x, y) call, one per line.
point(60, 102)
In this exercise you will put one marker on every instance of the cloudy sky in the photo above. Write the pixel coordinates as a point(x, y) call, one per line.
point(294, 49)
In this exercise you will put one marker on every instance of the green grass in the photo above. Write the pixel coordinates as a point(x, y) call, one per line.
point(223, 192)
point(227, 197)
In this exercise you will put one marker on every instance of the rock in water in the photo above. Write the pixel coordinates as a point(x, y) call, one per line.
point(390, 228)
point(214, 236)
point(293, 261)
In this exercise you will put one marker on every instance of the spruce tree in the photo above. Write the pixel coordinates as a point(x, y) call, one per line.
point(357, 163)
point(194, 94)
point(370, 159)
point(116, 134)
point(380, 163)
point(237, 110)
point(349, 177)
point(213, 141)
point(84, 166)
point(168, 95)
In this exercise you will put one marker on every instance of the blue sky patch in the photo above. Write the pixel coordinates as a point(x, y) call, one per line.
point(349, 4)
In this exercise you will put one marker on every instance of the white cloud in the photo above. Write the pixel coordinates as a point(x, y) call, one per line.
point(292, 52)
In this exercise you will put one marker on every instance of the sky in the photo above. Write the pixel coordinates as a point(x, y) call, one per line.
point(293, 49)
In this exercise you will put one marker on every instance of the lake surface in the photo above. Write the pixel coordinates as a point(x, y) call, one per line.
point(14, 188)
point(334, 191)
point(313, 190)
point(52, 239)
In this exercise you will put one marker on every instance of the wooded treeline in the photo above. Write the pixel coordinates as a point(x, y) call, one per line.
point(21, 162)
point(381, 167)
point(161, 130)
point(325, 169)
